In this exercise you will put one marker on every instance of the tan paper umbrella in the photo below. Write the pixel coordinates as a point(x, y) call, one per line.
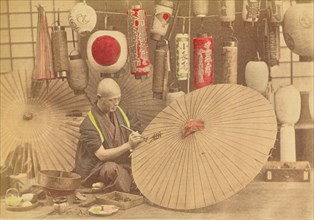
point(137, 95)
point(39, 122)
point(229, 131)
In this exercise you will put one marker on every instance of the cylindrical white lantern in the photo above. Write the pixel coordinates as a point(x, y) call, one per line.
point(287, 143)
point(288, 104)
point(200, 8)
point(256, 75)
point(298, 29)
point(173, 94)
point(182, 56)
point(226, 11)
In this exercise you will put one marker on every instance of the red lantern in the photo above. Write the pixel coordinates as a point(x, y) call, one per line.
point(138, 45)
point(203, 61)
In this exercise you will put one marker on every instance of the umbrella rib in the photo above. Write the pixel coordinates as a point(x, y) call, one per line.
point(216, 140)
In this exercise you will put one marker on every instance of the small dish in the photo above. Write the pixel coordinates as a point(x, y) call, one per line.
point(103, 210)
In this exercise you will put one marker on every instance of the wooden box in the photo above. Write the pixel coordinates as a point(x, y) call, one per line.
point(277, 171)
point(120, 199)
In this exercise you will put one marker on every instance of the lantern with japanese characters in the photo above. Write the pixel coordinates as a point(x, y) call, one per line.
point(226, 11)
point(182, 42)
point(138, 44)
point(203, 60)
point(160, 23)
point(298, 29)
point(251, 10)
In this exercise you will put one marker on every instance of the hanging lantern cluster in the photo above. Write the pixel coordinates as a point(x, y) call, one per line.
point(138, 42)
point(203, 60)
point(230, 61)
point(160, 22)
point(251, 10)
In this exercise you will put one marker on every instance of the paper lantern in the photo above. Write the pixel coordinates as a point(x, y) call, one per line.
point(277, 13)
point(138, 44)
point(256, 75)
point(288, 104)
point(107, 51)
point(78, 75)
point(162, 15)
point(226, 11)
point(298, 29)
point(200, 7)
point(182, 42)
point(82, 18)
point(229, 62)
point(250, 10)
point(203, 61)
point(60, 51)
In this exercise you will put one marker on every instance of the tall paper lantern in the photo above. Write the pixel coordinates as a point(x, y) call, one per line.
point(256, 75)
point(182, 42)
point(203, 60)
point(107, 51)
point(226, 11)
point(78, 75)
point(298, 29)
point(60, 51)
point(160, 75)
point(229, 62)
point(250, 10)
point(288, 108)
point(160, 22)
point(277, 12)
point(138, 43)
point(200, 7)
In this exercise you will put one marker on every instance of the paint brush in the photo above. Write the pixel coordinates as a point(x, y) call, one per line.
point(129, 129)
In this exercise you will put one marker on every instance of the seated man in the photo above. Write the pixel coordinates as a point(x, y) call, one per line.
point(104, 147)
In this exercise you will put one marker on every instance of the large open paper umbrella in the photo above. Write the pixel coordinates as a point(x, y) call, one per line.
point(39, 122)
point(204, 147)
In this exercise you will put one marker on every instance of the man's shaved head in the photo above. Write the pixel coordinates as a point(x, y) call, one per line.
point(108, 88)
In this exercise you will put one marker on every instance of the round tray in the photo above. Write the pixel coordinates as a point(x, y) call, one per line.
point(105, 210)
point(18, 208)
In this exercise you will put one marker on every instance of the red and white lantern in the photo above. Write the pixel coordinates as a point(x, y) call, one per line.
point(203, 61)
point(138, 43)
point(107, 51)
point(160, 23)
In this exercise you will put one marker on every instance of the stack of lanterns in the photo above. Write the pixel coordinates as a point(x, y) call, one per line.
point(160, 23)
point(251, 10)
